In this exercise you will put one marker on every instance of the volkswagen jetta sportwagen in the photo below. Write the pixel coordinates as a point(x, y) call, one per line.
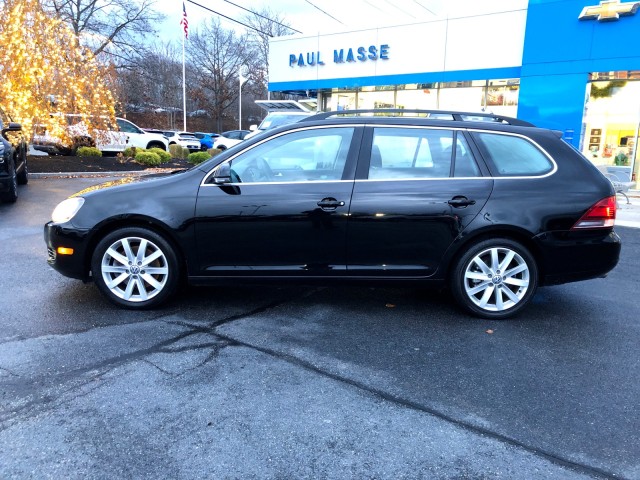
point(490, 206)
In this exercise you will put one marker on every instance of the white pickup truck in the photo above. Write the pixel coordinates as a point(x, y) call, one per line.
point(112, 141)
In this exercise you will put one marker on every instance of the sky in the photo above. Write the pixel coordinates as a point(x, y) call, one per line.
point(325, 16)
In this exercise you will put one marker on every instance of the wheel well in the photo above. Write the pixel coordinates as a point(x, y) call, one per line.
point(107, 228)
point(455, 252)
point(156, 145)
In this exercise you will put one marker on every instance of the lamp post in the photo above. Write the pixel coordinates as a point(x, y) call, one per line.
point(244, 71)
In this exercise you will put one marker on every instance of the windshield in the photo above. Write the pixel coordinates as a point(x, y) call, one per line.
point(275, 120)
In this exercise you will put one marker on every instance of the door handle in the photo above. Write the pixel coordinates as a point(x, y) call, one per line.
point(330, 203)
point(460, 202)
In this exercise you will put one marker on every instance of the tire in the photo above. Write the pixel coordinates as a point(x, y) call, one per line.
point(494, 279)
point(78, 142)
point(11, 195)
point(156, 145)
point(222, 148)
point(23, 176)
point(121, 273)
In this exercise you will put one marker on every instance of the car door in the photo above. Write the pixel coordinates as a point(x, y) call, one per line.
point(414, 194)
point(134, 136)
point(279, 207)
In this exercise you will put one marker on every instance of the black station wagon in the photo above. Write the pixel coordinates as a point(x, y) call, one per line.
point(489, 206)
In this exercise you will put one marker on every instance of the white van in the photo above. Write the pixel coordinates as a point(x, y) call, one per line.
point(282, 112)
point(112, 141)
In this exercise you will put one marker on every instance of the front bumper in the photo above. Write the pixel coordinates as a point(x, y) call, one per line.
point(75, 265)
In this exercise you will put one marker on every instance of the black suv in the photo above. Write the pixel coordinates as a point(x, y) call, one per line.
point(489, 206)
point(13, 158)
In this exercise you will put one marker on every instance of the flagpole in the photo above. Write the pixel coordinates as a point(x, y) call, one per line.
point(184, 91)
point(185, 26)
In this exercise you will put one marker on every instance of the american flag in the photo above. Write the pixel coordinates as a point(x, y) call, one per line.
point(184, 22)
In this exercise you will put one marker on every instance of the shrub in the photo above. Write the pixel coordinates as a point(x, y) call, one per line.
point(198, 157)
point(164, 155)
point(88, 152)
point(178, 151)
point(131, 152)
point(175, 151)
point(79, 142)
point(150, 159)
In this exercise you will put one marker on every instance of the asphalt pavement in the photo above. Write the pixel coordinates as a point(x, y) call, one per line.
point(307, 382)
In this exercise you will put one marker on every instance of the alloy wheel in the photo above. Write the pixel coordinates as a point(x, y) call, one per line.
point(496, 279)
point(134, 269)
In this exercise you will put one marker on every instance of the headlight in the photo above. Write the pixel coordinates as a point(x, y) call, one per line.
point(67, 209)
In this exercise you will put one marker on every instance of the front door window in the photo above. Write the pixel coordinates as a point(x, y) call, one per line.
point(303, 156)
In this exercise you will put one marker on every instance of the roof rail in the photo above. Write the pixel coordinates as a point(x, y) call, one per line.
point(432, 114)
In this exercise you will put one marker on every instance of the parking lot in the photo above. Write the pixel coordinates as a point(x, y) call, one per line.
point(309, 382)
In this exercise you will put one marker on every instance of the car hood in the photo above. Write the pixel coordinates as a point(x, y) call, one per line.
point(124, 181)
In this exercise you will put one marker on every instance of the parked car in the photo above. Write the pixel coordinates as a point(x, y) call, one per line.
point(121, 135)
point(488, 206)
point(230, 138)
point(186, 139)
point(13, 158)
point(154, 130)
point(206, 139)
point(280, 112)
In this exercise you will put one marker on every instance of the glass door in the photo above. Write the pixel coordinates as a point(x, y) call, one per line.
point(612, 122)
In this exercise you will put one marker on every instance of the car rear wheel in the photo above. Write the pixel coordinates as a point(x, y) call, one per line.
point(494, 278)
point(135, 268)
point(156, 145)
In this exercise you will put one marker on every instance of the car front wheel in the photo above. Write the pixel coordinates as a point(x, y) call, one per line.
point(135, 268)
point(494, 278)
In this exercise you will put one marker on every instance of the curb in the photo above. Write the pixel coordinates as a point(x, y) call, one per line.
point(133, 173)
point(626, 223)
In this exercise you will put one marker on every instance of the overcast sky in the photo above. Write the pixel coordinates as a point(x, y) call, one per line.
point(313, 16)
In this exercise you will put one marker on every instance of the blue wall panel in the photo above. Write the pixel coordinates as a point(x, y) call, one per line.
point(559, 53)
point(556, 103)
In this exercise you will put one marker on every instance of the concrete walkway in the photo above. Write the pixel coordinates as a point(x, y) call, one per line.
point(628, 214)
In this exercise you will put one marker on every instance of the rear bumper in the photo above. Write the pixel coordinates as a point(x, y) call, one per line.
point(50, 149)
point(574, 256)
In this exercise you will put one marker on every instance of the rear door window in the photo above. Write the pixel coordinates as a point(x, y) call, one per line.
point(415, 153)
point(512, 155)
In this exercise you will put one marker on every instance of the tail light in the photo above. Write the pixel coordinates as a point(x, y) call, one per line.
point(600, 215)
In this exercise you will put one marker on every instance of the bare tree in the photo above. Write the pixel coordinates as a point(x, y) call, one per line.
point(216, 56)
point(267, 24)
point(151, 88)
point(114, 27)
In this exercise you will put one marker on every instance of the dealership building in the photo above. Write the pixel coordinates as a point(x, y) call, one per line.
point(568, 65)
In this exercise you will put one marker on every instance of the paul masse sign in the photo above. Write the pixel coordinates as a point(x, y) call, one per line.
point(401, 53)
point(342, 55)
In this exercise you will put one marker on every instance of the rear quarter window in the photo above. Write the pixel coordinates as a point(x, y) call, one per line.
point(512, 156)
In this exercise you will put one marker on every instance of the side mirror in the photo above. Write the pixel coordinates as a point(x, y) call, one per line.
point(12, 127)
point(253, 128)
point(223, 174)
